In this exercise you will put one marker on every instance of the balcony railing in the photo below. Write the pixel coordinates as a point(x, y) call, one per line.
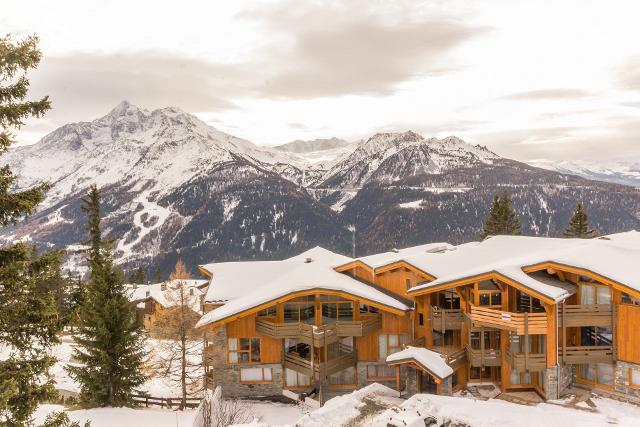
point(319, 336)
point(586, 354)
point(443, 319)
point(520, 323)
point(522, 362)
point(314, 370)
point(586, 315)
point(481, 358)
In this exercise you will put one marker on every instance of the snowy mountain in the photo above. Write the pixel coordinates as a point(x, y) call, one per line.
point(620, 172)
point(174, 187)
point(299, 146)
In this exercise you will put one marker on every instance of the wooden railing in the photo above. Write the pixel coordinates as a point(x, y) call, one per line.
point(443, 319)
point(168, 402)
point(520, 323)
point(457, 358)
point(319, 335)
point(481, 358)
point(586, 315)
point(304, 366)
point(586, 354)
point(522, 362)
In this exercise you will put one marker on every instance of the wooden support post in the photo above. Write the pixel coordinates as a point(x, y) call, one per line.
point(526, 342)
point(552, 335)
point(427, 323)
point(313, 367)
point(398, 379)
point(564, 333)
point(614, 348)
point(482, 347)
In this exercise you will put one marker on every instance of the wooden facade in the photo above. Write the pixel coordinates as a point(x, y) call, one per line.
point(487, 328)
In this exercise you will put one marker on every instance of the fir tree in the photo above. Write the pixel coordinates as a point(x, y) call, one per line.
point(28, 315)
point(578, 227)
point(110, 340)
point(502, 220)
point(157, 277)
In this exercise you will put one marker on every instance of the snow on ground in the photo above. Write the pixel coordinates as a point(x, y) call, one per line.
point(411, 205)
point(123, 417)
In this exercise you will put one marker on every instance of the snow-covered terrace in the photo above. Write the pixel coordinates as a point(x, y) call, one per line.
point(261, 283)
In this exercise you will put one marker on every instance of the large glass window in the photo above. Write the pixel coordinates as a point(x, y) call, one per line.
point(345, 377)
point(267, 312)
point(300, 310)
point(256, 375)
point(449, 300)
point(243, 350)
point(634, 377)
point(296, 379)
point(381, 373)
point(592, 294)
point(336, 309)
point(391, 343)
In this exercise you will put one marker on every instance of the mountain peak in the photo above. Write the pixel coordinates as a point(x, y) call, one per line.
point(407, 136)
point(124, 108)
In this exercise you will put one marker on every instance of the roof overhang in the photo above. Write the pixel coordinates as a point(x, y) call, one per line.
point(493, 274)
point(582, 272)
point(306, 292)
point(415, 363)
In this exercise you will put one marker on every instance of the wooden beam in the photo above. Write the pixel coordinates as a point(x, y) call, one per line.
point(552, 335)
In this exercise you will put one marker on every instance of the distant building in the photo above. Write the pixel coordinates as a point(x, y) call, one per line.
point(152, 298)
point(523, 313)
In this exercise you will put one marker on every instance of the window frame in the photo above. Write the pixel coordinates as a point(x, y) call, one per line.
point(631, 383)
point(399, 347)
point(238, 350)
point(261, 381)
point(377, 377)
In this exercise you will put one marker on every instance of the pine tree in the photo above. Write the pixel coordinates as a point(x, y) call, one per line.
point(157, 276)
point(578, 227)
point(502, 220)
point(28, 316)
point(109, 338)
point(178, 355)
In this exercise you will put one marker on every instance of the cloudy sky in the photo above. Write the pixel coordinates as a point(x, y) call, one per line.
point(530, 79)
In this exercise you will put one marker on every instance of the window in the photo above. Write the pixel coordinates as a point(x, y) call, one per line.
point(267, 312)
point(592, 294)
point(301, 309)
point(628, 299)
point(408, 282)
point(478, 373)
point(380, 373)
point(256, 375)
point(421, 319)
point(364, 308)
point(634, 377)
point(449, 300)
point(390, 343)
point(345, 377)
point(449, 337)
point(335, 309)
point(296, 379)
point(244, 350)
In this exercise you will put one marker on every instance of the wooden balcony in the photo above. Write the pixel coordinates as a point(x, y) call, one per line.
point(586, 315)
point(520, 323)
point(443, 319)
point(586, 354)
point(322, 335)
point(522, 362)
point(314, 370)
point(481, 358)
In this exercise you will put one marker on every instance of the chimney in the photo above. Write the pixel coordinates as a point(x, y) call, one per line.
point(148, 293)
point(163, 287)
point(308, 260)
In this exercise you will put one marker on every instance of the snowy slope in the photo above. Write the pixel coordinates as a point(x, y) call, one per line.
point(620, 172)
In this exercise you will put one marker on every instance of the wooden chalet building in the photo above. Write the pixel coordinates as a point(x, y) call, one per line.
point(151, 299)
point(521, 312)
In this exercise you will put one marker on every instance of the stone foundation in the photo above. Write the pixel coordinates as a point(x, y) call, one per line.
point(621, 381)
point(227, 375)
point(446, 387)
point(361, 368)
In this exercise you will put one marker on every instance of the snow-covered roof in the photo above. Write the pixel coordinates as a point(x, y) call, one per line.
point(612, 256)
point(164, 297)
point(427, 359)
point(385, 258)
point(259, 283)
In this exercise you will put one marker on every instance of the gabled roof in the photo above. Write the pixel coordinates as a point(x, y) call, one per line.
point(428, 360)
point(259, 283)
point(139, 293)
point(383, 259)
point(611, 257)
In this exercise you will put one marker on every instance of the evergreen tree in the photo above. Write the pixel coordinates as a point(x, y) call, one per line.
point(157, 277)
point(110, 340)
point(578, 227)
point(502, 220)
point(28, 316)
